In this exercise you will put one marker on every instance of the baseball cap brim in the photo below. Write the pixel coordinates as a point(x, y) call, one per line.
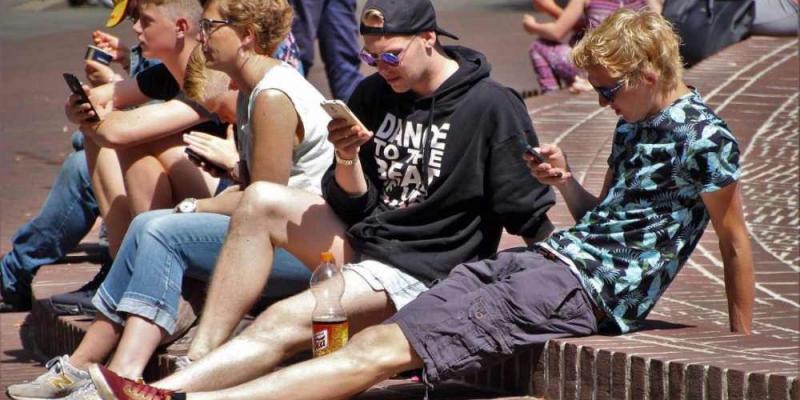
point(117, 13)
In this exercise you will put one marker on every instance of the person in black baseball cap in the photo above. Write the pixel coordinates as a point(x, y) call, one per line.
point(427, 180)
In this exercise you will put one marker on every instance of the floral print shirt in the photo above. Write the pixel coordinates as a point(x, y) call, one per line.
point(630, 247)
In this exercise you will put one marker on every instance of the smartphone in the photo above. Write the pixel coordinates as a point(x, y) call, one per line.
point(76, 88)
point(530, 150)
point(97, 54)
point(337, 109)
point(197, 158)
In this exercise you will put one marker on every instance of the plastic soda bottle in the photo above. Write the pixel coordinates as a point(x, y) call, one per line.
point(329, 321)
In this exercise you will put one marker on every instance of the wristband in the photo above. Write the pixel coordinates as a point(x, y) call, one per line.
point(344, 161)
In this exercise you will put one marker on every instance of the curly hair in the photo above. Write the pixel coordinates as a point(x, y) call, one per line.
point(629, 42)
point(269, 20)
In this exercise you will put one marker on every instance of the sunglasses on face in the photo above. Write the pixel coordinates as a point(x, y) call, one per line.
point(390, 58)
point(206, 25)
point(608, 93)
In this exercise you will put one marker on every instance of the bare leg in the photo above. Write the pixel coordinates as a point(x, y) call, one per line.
point(139, 341)
point(99, 341)
point(268, 215)
point(282, 330)
point(109, 189)
point(373, 355)
point(158, 175)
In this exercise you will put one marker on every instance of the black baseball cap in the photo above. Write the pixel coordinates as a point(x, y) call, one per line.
point(403, 17)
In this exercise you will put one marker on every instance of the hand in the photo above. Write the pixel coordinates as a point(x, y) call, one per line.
point(219, 152)
point(112, 45)
point(98, 73)
point(79, 112)
point(347, 138)
point(529, 24)
point(553, 172)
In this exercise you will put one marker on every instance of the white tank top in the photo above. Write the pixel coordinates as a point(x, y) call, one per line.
point(311, 157)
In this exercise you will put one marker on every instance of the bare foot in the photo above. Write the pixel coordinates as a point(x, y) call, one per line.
point(529, 24)
point(580, 85)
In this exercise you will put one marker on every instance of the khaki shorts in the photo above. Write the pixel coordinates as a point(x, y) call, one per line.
point(401, 287)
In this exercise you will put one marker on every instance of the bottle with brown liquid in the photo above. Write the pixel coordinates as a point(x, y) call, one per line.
point(329, 321)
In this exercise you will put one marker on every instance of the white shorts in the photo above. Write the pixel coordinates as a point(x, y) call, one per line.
point(401, 287)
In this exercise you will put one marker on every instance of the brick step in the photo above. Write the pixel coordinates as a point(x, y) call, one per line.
point(55, 335)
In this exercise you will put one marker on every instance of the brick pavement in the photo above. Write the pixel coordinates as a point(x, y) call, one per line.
point(685, 352)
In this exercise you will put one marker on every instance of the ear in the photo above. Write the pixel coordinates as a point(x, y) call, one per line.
point(649, 77)
point(429, 39)
point(182, 27)
point(249, 39)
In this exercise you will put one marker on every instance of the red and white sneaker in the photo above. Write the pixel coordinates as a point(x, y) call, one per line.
point(111, 386)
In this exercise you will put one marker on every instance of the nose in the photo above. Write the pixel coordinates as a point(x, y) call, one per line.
point(137, 26)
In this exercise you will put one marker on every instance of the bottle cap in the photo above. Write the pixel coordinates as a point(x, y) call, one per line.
point(326, 256)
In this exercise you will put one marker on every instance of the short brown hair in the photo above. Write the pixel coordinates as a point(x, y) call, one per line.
point(629, 42)
point(270, 20)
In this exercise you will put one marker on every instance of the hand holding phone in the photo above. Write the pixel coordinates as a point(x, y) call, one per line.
point(535, 154)
point(337, 109)
point(77, 89)
point(204, 162)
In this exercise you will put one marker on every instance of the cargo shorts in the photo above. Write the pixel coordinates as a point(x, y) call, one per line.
point(486, 310)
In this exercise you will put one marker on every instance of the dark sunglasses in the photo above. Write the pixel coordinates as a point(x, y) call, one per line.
point(609, 93)
point(389, 58)
point(207, 24)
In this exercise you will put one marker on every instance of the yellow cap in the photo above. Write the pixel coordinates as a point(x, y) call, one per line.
point(326, 256)
point(117, 13)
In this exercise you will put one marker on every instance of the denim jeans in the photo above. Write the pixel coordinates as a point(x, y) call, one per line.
point(334, 23)
point(160, 249)
point(65, 218)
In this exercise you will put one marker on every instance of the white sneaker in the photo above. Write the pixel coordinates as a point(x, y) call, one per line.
point(61, 379)
point(86, 392)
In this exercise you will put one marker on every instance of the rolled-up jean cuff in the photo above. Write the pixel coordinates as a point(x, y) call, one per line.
point(145, 308)
point(104, 305)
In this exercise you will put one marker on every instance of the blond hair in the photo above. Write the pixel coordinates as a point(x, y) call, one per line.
point(200, 83)
point(373, 18)
point(630, 42)
point(269, 20)
point(191, 10)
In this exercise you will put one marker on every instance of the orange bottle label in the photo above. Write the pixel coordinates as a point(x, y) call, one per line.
point(329, 336)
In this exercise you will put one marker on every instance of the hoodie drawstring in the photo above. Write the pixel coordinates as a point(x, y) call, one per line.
point(426, 147)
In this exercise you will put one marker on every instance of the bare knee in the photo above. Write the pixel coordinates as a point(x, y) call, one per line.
point(282, 326)
point(264, 202)
point(384, 349)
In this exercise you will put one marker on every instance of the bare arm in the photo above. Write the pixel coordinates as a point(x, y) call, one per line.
point(120, 129)
point(274, 126)
point(122, 94)
point(548, 7)
point(558, 29)
point(725, 208)
point(556, 172)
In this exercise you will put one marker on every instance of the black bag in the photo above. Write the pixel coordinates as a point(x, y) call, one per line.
point(707, 26)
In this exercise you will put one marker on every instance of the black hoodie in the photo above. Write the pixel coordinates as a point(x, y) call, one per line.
point(477, 182)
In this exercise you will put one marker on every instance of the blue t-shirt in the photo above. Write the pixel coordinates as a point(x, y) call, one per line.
point(629, 247)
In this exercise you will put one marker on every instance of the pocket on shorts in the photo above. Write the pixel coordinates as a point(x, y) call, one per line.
point(480, 339)
point(572, 306)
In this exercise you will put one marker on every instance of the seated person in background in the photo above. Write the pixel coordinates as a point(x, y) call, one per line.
point(673, 167)
point(430, 181)
point(70, 210)
point(139, 302)
point(550, 53)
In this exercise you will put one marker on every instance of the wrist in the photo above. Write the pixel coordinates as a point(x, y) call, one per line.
point(345, 159)
point(187, 206)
